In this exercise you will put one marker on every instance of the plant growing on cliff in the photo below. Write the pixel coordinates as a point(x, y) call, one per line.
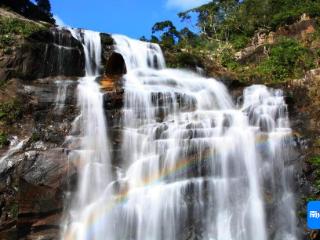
point(3, 139)
point(10, 111)
point(11, 29)
point(18, 27)
point(287, 59)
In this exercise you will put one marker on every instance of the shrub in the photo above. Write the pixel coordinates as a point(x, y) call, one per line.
point(3, 139)
point(227, 58)
point(184, 60)
point(240, 41)
point(10, 111)
point(287, 59)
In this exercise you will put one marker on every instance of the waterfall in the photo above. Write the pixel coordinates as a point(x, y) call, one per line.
point(62, 89)
point(194, 165)
point(91, 156)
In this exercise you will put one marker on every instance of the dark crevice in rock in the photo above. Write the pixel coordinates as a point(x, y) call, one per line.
point(40, 215)
point(44, 227)
point(116, 65)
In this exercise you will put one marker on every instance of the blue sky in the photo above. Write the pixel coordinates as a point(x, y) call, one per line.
point(134, 18)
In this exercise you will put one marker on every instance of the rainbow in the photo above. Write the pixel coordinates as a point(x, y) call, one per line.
point(96, 217)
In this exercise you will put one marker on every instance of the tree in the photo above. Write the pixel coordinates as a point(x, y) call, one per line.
point(41, 11)
point(168, 33)
point(212, 16)
point(44, 5)
point(187, 37)
point(18, 6)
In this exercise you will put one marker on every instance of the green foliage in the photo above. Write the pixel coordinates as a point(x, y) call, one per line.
point(18, 27)
point(188, 39)
point(315, 161)
point(154, 39)
point(227, 58)
point(287, 59)
point(185, 60)
point(39, 12)
point(168, 33)
point(3, 139)
point(289, 11)
point(35, 137)
point(227, 26)
point(227, 19)
point(44, 6)
point(12, 28)
point(239, 41)
point(212, 16)
point(10, 111)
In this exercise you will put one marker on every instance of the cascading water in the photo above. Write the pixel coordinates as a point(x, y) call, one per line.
point(62, 88)
point(92, 156)
point(194, 165)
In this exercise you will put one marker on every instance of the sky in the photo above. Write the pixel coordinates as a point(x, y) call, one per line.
point(133, 18)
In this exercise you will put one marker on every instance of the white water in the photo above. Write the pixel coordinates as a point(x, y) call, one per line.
point(15, 146)
point(92, 155)
point(62, 90)
point(194, 165)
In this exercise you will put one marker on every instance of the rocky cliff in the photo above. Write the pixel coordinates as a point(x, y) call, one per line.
point(35, 175)
point(38, 74)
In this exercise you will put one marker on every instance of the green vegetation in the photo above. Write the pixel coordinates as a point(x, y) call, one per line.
point(10, 111)
point(287, 59)
point(41, 11)
point(229, 19)
point(18, 27)
point(315, 161)
point(11, 29)
point(3, 139)
point(225, 27)
point(35, 137)
point(183, 60)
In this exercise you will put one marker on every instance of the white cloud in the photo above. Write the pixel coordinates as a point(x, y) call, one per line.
point(59, 21)
point(185, 4)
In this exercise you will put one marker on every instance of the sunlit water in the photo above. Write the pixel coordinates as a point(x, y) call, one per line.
point(91, 154)
point(194, 165)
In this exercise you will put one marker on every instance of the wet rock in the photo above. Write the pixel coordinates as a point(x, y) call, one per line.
point(47, 53)
point(115, 65)
point(107, 44)
point(42, 183)
point(113, 99)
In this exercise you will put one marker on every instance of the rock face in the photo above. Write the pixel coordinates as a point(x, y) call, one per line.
point(42, 186)
point(107, 50)
point(35, 174)
point(33, 59)
point(303, 99)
